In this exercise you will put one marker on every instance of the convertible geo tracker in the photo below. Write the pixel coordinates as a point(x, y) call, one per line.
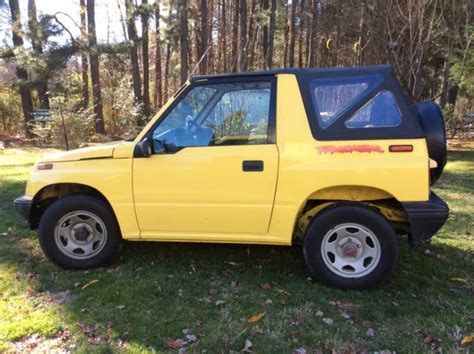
point(338, 160)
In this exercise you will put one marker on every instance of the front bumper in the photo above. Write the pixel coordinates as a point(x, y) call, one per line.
point(426, 218)
point(23, 207)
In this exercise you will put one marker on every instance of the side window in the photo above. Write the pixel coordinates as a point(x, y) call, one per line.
point(331, 97)
point(381, 111)
point(217, 114)
point(241, 116)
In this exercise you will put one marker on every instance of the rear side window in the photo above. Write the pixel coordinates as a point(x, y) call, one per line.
point(331, 97)
point(381, 111)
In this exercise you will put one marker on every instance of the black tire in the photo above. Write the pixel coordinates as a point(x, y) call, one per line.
point(337, 216)
point(60, 208)
point(432, 121)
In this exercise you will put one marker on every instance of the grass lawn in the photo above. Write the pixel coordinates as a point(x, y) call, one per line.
point(159, 295)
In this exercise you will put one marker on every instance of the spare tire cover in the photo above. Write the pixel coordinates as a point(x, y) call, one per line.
point(432, 121)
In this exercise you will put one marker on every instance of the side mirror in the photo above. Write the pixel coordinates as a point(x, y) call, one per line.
point(142, 149)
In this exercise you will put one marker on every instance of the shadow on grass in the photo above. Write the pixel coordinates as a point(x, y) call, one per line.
point(155, 290)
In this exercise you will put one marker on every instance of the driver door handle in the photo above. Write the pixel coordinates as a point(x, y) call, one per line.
point(252, 166)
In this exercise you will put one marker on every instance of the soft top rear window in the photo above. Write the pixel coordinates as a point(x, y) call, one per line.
point(331, 97)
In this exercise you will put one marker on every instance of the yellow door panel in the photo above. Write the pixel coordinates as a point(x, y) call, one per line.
point(205, 190)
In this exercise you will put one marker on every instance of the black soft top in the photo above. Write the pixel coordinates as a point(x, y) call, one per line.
point(336, 72)
point(408, 128)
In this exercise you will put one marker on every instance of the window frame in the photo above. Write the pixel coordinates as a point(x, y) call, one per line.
point(271, 133)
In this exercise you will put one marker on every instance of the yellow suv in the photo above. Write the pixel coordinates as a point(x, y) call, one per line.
point(336, 159)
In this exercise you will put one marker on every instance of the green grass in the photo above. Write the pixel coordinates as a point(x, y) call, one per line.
point(156, 290)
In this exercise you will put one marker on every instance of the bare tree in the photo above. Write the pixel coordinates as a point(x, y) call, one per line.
point(243, 36)
point(36, 36)
point(202, 43)
point(84, 62)
point(271, 34)
point(132, 36)
point(94, 64)
point(158, 77)
point(21, 73)
point(301, 32)
point(291, 49)
point(146, 66)
point(235, 37)
point(183, 39)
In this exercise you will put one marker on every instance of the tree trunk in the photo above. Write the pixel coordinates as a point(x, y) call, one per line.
point(301, 33)
point(271, 34)
point(37, 45)
point(94, 63)
point(222, 38)
point(210, 54)
point(21, 73)
point(84, 62)
point(158, 78)
point(314, 35)
point(252, 31)
point(146, 67)
point(291, 50)
point(132, 36)
point(166, 88)
point(243, 35)
point(183, 39)
point(286, 35)
point(264, 5)
point(235, 37)
point(202, 45)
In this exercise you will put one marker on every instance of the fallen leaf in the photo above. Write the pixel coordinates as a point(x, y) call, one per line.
point(299, 319)
point(90, 283)
point(256, 317)
point(428, 339)
point(174, 344)
point(256, 331)
point(191, 337)
point(299, 351)
point(232, 263)
point(459, 280)
point(467, 340)
point(281, 291)
point(212, 291)
point(266, 286)
point(199, 323)
point(248, 345)
point(328, 321)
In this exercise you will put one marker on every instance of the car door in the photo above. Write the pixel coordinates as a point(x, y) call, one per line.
point(214, 163)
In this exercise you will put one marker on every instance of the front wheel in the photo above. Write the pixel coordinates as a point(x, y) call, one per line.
point(79, 232)
point(351, 247)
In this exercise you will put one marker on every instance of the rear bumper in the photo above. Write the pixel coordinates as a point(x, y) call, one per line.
point(23, 207)
point(426, 218)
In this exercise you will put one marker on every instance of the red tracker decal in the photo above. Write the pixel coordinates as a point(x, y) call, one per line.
point(345, 149)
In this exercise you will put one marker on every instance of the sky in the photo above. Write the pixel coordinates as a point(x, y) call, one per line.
point(107, 17)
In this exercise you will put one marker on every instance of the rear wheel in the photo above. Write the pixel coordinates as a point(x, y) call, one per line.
point(79, 232)
point(351, 247)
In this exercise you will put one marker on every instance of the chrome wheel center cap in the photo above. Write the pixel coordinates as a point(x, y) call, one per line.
point(350, 248)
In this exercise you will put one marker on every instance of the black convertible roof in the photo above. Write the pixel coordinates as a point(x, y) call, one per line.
point(337, 71)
